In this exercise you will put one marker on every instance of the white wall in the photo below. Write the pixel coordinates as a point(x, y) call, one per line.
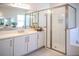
point(10, 11)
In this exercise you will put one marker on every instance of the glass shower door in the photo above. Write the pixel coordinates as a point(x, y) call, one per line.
point(58, 29)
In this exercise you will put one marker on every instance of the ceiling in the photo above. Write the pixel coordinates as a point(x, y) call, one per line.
point(30, 6)
point(26, 6)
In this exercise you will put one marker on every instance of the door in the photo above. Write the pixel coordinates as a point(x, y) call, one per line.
point(19, 46)
point(6, 47)
point(41, 38)
point(58, 29)
point(32, 43)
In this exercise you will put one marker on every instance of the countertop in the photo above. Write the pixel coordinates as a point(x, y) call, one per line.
point(11, 34)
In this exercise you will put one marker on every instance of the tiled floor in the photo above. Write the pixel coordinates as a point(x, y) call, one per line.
point(45, 52)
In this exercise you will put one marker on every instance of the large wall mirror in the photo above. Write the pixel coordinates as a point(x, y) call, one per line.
point(7, 22)
point(12, 18)
point(34, 19)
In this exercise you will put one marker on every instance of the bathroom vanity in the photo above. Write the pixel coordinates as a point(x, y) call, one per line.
point(16, 44)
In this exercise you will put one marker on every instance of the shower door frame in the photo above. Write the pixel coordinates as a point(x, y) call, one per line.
point(66, 26)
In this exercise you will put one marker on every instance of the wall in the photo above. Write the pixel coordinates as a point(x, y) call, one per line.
point(10, 11)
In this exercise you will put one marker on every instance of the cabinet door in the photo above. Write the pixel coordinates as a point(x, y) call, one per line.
point(26, 44)
point(6, 47)
point(32, 44)
point(19, 46)
point(41, 37)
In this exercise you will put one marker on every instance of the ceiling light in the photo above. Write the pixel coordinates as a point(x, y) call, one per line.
point(20, 5)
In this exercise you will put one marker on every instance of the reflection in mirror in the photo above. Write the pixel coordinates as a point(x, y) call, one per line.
point(27, 21)
point(35, 19)
point(7, 23)
point(12, 18)
point(13, 22)
point(20, 20)
point(31, 19)
point(1, 22)
point(42, 18)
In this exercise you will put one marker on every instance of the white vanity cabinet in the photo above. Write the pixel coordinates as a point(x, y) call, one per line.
point(32, 43)
point(6, 47)
point(41, 38)
point(20, 46)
